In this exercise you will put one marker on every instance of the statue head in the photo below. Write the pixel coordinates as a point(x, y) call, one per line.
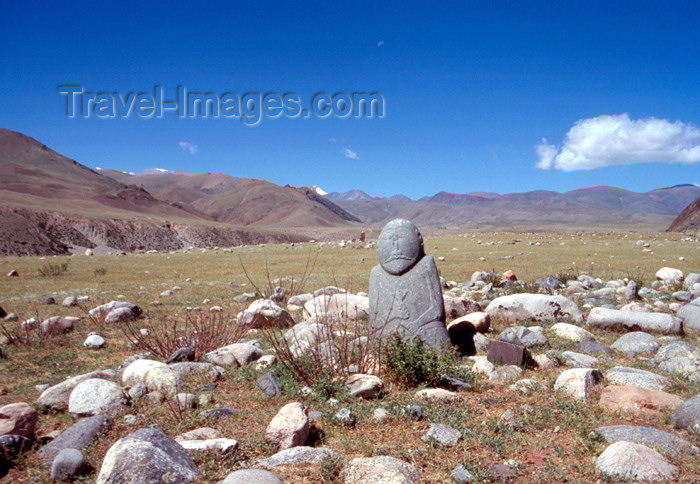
point(400, 246)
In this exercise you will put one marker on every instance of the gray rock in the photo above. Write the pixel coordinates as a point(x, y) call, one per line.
point(185, 400)
point(572, 332)
point(682, 296)
point(636, 342)
point(188, 368)
point(541, 308)
point(70, 301)
point(147, 455)
point(649, 436)
point(579, 360)
point(550, 283)
point(269, 385)
point(508, 419)
point(520, 335)
point(379, 415)
point(681, 358)
point(622, 375)
point(56, 397)
point(687, 415)
point(290, 427)
point(503, 353)
point(364, 386)
point(631, 291)
point(68, 464)
point(594, 348)
point(442, 434)
point(123, 311)
point(346, 417)
point(690, 314)
point(81, 433)
point(634, 321)
point(295, 456)
point(11, 447)
point(627, 460)
point(265, 313)
point(48, 300)
point(505, 375)
point(96, 396)
point(94, 342)
point(404, 289)
point(380, 469)
point(137, 391)
point(460, 474)
point(218, 413)
point(481, 343)
point(527, 386)
point(691, 279)
point(248, 476)
point(240, 354)
point(186, 353)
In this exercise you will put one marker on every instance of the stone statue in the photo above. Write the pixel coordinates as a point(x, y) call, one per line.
point(404, 289)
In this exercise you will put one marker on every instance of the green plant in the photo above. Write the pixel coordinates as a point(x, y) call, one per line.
point(412, 362)
point(100, 271)
point(50, 269)
point(331, 466)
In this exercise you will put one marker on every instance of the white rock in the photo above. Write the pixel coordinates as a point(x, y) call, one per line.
point(577, 382)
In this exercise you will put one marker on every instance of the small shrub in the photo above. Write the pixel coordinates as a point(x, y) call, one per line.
point(48, 270)
point(412, 363)
point(100, 271)
point(331, 466)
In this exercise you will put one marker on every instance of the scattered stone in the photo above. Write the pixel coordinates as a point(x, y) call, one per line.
point(222, 445)
point(218, 413)
point(542, 308)
point(94, 342)
point(68, 464)
point(70, 301)
point(505, 375)
point(502, 472)
point(669, 275)
point(265, 313)
point(346, 417)
point(202, 433)
point(290, 427)
point(83, 432)
point(364, 386)
point(295, 456)
point(442, 434)
point(147, 455)
point(11, 447)
point(482, 366)
point(578, 382)
point(528, 386)
point(265, 362)
point(154, 397)
point(380, 415)
point(690, 314)
point(546, 361)
point(578, 360)
point(636, 342)
point(572, 332)
point(269, 385)
point(615, 319)
point(18, 419)
point(630, 461)
point(622, 375)
point(115, 312)
point(520, 335)
point(240, 354)
point(13, 273)
point(380, 469)
point(593, 348)
point(247, 476)
point(166, 293)
point(687, 415)
point(56, 397)
point(57, 325)
point(186, 353)
point(438, 394)
point(679, 357)
point(637, 400)
point(452, 383)
point(508, 419)
point(461, 475)
point(405, 295)
point(631, 291)
point(185, 400)
point(48, 301)
point(503, 353)
point(188, 368)
point(649, 436)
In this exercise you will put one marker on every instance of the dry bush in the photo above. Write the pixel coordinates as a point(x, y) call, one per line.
point(204, 332)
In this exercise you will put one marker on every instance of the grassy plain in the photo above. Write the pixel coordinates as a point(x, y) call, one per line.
point(555, 445)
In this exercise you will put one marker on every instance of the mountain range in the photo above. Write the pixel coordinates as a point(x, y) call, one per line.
point(51, 204)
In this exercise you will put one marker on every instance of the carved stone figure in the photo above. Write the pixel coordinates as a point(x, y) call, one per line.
point(404, 289)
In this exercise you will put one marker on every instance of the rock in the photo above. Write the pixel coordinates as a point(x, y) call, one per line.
point(96, 396)
point(637, 400)
point(265, 313)
point(248, 476)
point(147, 455)
point(295, 456)
point(11, 447)
point(630, 461)
point(346, 417)
point(578, 382)
point(94, 342)
point(504, 375)
point(520, 335)
point(380, 469)
point(679, 357)
point(442, 434)
point(269, 385)
point(541, 308)
point(546, 361)
point(614, 319)
point(549, 283)
point(687, 415)
point(56, 397)
point(185, 401)
point(18, 419)
point(572, 332)
point(240, 354)
point(337, 307)
point(166, 293)
point(593, 348)
point(164, 379)
point(631, 291)
point(218, 413)
point(578, 360)
point(405, 295)
point(13, 273)
point(290, 427)
point(460, 474)
point(483, 366)
point(380, 415)
point(221, 445)
point(265, 362)
point(329, 291)
point(186, 353)
point(481, 343)
point(136, 371)
point(202, 433)
point(690, 315)
point(70, 301)
point(458, 307)
point(56, 325)
point(84, 432)
point(527, 386)
point(123, 311)
point(453, 383)
point(669, 275)
point(636, 342)
point(48, 301)
point(622, 375)
point(649, 436)
point(438, 394)
point(503, 353)
point(155, 397)
point(508, 419)
point(68, 464)
point(364, 386)
point(187, 368)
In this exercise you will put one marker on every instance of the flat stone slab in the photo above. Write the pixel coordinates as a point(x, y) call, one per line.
point(504, 353)
point(295, 456)
point(579, 360)
point(649, 436)
point(623, 375)
point(534, 307)
point(636, 342)
point(634, 321)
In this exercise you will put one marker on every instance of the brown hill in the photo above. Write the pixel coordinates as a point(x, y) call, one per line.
point(688, 220)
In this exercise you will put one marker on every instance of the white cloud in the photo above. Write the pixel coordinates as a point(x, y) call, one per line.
point(350, 154)
point(618, 140)
point(380, 43)
point(190, 148)
point(332, 140)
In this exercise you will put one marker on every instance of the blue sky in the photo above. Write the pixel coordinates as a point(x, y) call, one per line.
point(478, 96)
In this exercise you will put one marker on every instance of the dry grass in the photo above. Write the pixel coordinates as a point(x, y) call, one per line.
point(549, 455)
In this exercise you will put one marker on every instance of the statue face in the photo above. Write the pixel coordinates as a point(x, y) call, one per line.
point(399, 246)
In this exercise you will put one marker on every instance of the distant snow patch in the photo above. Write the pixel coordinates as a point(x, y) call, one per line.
point(319, 190)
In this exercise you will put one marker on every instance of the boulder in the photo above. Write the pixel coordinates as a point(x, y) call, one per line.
point(579, 360)
point(364, 386)
point(290, 427)
point(636, 342)
point(247, 476)
point(505, 375)
point(135, 373)
point(680, 358)
point(615, 319)
point(622, 375)
point(56, 397)
point(83, 432)
point(578, 382)
point(687, 415)
point(665, 441)
point(520, 335)
point(68, 464)
point(147, 455)
point(690, 315)
point(503, 353)
point(295, 456)
point(637, 400)
point(442, 434)
point(669, 275)
point(637, 462)
point(572, 332)
point(18, 419)
point(380, 469)
point(57, 325)
point(96, 396)
point(458, 307)
point(124, 311)
point(265, 313)
point(239, 354)
point(542, 308)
